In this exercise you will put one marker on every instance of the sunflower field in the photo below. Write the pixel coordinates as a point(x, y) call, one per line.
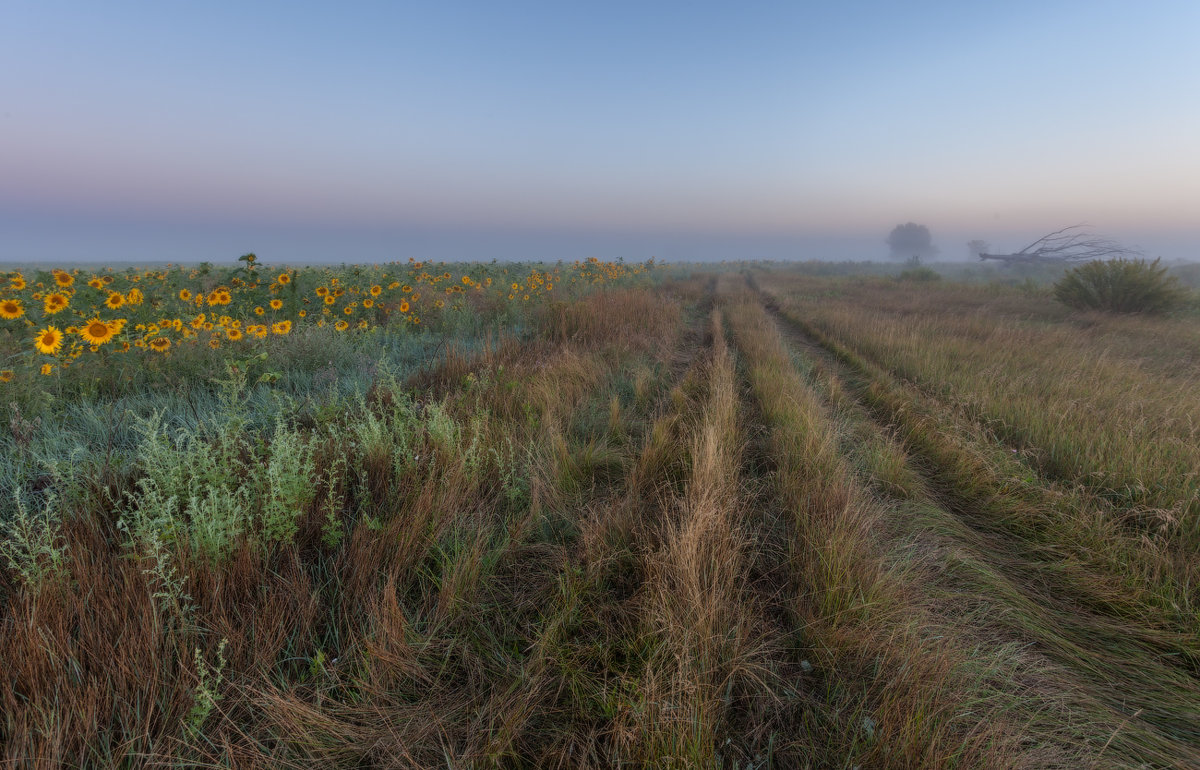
point(53, 320)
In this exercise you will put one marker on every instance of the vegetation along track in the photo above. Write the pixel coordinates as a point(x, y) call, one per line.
point(1108, 660)
point(673, 523)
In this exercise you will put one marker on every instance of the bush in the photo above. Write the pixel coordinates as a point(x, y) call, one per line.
point(919, 274)
point(1120, 286)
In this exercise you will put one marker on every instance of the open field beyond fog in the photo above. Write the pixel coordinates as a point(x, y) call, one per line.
point(593, 515)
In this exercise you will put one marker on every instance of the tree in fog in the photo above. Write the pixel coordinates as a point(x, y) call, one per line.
point(911, 240)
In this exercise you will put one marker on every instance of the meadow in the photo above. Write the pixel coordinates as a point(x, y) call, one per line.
point(594, 514)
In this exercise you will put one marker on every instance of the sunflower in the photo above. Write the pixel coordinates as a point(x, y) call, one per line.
point(114, 301)
point(135, 297)
point(47, 368)
point(406, 289)
point(284, 279)
point(96, 332)
point(96, 283)
point(259, 310)
point(394, 285)
point(233, 333)
point(276, 304)
point(330, 299)
point(368, 302)
point(438, 303)
point(403, 306)
point(362, 324)
point(11, 308)
point(281, 327)
point(303, 313)
point(376, 290)
point(466, 279)
point(219, 297)
point(215, 343)
point(160, 344)
point(6, 375)
point(48, 340)
point(63, 279)
point(185, 295)
point(322, 291)
point(341, 326)
point(17, 282)
point(55, 303)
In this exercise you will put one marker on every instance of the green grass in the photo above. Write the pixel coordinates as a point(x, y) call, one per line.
point(752, 516)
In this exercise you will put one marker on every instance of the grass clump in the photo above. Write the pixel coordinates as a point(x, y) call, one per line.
point(1120, 286)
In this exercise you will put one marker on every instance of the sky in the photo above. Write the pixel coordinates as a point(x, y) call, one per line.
point(368, 131)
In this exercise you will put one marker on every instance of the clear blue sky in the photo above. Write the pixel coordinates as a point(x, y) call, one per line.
point(362, 131)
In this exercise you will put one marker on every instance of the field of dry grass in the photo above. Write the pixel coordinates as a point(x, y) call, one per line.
point(746, 517)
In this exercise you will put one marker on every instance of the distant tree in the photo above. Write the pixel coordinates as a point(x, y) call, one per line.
point(910, 240)
point(978, 247)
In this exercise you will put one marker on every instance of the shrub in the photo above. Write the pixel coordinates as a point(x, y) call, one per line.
point(915, 271)
point(1120, 286)
point(919, 274)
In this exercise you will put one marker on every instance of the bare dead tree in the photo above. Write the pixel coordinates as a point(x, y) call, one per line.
point(1070, 244)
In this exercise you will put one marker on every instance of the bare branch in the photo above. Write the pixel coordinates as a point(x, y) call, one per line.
point(1070, 244)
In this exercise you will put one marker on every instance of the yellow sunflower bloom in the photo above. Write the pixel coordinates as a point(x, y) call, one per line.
point(96, 332)
point(47, 368)
point(281, 327)
point(276, 304)
point(6, 375)
point(114, 301)
point(376, 290)
point(160, 344)
point(55, 303)
point(63, 279)
point(49, 340)
point(11, 308)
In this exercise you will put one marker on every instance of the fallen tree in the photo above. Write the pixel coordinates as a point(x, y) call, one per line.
point(1070, 244)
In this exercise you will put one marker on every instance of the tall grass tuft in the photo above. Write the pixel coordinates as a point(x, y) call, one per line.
point(1120, 286)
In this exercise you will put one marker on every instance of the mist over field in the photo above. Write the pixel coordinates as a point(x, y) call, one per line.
point(472, 132)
